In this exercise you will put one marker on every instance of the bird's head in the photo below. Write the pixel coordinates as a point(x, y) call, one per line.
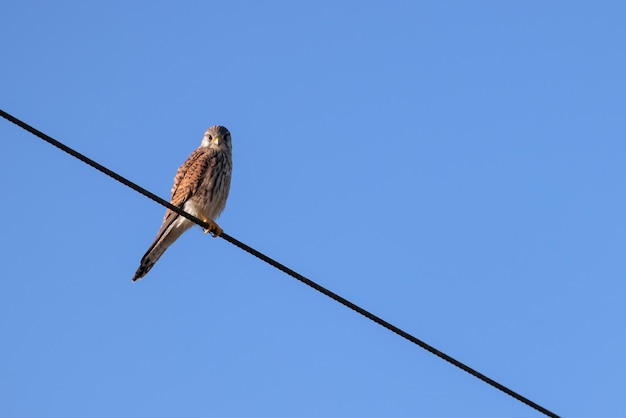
point(216, 137)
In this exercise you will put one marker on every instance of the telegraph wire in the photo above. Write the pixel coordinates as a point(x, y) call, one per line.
point(279, 266)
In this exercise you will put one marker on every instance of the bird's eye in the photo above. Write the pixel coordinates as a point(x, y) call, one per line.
point(210, 137)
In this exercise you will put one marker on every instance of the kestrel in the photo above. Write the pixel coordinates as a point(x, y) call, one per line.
point(200, 188)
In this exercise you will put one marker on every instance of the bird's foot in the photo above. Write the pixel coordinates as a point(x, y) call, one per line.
point(214, 229)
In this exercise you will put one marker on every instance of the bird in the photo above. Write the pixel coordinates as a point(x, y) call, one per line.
point(201, 187)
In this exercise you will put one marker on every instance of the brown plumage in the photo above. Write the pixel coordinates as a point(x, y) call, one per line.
point(200, 188)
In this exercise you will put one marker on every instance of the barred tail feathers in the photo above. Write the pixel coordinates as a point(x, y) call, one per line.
point(170, 231)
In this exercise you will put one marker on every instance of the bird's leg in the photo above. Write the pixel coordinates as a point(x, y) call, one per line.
point(214, 228)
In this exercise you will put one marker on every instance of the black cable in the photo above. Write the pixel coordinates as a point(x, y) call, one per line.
point(280, 266)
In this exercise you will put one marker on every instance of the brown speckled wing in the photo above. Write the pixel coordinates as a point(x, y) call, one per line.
point(189, 176)
point(187, 181)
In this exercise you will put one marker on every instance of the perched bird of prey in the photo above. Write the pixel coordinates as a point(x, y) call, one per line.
point(200, 188)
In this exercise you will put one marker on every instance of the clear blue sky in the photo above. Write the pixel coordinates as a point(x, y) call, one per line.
point(455, 167)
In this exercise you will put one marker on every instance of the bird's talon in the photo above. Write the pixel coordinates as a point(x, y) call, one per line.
point(216, 232)
point(213, 229)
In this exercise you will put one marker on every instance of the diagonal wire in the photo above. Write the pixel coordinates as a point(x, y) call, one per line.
point(280, 266)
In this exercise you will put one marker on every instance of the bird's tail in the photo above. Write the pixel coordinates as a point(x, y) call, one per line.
point(167, 235)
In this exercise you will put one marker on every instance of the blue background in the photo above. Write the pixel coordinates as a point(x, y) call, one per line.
point(455, 167)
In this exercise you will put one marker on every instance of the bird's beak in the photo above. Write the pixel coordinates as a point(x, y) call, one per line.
point(218, 139)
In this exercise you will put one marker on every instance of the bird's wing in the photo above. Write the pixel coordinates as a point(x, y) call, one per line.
point(190, 175)
point(187, 181)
